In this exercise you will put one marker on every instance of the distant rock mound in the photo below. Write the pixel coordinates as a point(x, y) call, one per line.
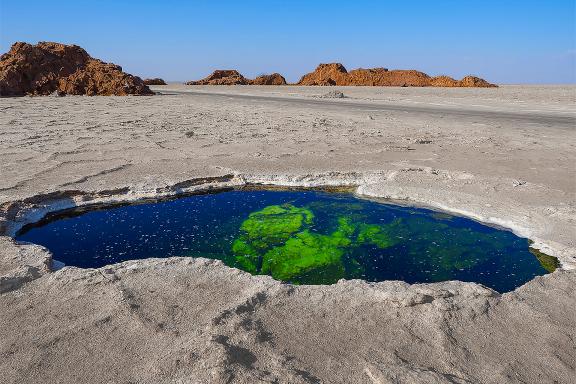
point(48, 67)
point(233, 77)
point(273, 79)
point(154, 81)
point(222, 77)
point(367, 77)
point(326, 74)
point(385, 78)
point(336, 74)
point(468, 81)
point(473, 81)
point(444, 81)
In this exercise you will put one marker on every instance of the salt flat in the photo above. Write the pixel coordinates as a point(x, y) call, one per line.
point(504, 156)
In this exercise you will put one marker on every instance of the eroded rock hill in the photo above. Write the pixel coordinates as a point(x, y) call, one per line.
point(233, 77)
point(222, 77)
point(273, 79)
point(336, 74)
point(48, 67)
point(326, 74)
point(154, 81)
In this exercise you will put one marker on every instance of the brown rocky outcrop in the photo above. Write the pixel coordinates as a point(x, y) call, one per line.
point(336, 74)
point(466, 82)
point(473, 81)
point(326, 74)
point(233, 77)
point(154, 81)
point(444, 81)
point(273, 79)
point(222, 77)
point(384, 77)
point(48, 67)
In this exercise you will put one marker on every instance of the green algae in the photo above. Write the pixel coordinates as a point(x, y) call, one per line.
point(275, 224)
point(264, 229)
point(245, 257)
point(279, 241)
point(549, 263)
point(305, 252)
point(282, 241)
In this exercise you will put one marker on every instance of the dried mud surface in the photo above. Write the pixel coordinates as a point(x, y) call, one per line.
point(504, 156)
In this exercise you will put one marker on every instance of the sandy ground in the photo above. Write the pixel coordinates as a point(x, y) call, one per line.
point(504, 156)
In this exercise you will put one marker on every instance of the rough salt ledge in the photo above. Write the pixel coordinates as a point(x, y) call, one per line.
point(503, 156)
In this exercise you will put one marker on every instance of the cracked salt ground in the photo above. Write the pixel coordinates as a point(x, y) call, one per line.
point(80, 325)
point(301, 237)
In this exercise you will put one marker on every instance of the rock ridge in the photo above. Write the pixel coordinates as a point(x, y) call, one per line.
point(336, 74)
point(233, 77)
point(273, 79)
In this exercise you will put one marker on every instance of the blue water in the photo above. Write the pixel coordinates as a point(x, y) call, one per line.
point(302, 237)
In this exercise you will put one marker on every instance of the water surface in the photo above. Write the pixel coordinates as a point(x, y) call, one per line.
point(301, 237)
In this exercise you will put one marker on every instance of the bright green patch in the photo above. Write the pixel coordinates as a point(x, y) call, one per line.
point(274, 224)
point(278, 241)
point(304, 252)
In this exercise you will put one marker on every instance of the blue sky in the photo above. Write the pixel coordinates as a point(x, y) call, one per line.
point(506, 41)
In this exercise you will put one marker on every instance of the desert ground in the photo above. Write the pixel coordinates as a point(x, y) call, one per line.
point(504, 156)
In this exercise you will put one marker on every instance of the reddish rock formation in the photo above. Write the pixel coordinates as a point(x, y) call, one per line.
point(222, 77)
point(233, 77)
point(443, 81)
point(273, 79)
point(154, 81)
point(468, 81)
point(384, 77)
point(48, 67)
point(336, 74)
point(326, 74)
point(473, 81)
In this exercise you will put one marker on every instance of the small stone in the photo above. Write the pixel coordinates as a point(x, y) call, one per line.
point(333, 95)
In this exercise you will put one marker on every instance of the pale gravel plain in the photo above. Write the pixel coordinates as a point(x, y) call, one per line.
point(504, 156)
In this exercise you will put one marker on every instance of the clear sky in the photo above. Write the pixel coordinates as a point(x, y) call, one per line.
point(504, 41)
